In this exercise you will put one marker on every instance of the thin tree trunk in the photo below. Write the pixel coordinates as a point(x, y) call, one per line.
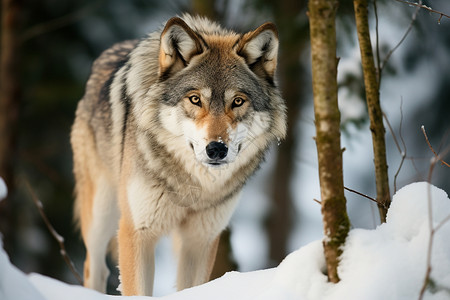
point(9, 87)
point(205, 8)
point(373, 104)
point(327, 120)
point(9, 109)
point(280, 219)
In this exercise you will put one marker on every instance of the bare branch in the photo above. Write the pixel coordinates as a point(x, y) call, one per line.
point(433, 231)
point(442, 223)
point(432, 150)
point(55, 234)
point(430, 225)
point(388, 56)
point(420, 5)
point(401, 150)
point(60, 22)
point(366, 196)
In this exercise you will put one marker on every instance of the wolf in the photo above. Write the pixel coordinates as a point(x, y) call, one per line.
point(167, 133)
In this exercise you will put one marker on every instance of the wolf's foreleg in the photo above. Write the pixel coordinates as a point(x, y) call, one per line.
point(196, 260)
point(196, 242)
point(136, 259)
point(101, 229)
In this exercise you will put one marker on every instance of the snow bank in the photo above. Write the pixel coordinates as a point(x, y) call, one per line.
point(386, 263)
point(14, 285)
point(390, 262)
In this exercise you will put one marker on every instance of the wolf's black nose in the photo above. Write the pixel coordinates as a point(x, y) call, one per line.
point(216, 150)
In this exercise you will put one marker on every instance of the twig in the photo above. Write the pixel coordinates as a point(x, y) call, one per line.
point(388, 56)
point(430, 226)
point(401, 150)
point(420, 5)
point(60, 22)
point(55, 234)
point(432, 150)
point(365, 196)
point(433, 231)
point(442, 223)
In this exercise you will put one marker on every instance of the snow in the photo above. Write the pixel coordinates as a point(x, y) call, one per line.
point(3, 189)
point(388, 262)
point(13, 283)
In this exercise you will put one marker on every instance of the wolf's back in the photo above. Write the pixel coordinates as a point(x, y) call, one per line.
point(96, 100)
point(92, 131)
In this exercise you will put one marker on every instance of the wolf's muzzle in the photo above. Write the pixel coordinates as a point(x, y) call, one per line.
point(216, 151)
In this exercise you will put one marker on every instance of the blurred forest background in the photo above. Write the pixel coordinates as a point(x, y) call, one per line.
point(48, 47)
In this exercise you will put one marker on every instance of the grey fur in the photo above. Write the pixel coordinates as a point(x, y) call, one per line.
point(123, 135)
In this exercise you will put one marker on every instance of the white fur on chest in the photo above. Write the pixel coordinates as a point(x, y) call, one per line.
point(151, 207)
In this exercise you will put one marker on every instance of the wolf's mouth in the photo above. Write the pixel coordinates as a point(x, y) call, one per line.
point(215, 164)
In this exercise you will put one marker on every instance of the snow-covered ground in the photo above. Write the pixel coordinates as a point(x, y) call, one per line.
point(388, 262)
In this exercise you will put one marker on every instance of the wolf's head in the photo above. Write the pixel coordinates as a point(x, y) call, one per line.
point(218, 88)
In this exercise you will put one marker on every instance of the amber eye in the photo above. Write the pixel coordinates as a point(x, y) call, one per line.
point(238, 101)
point(195, 100)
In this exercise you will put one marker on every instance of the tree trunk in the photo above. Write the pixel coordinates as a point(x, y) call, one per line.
point(205, 8)
point(327, 120)
point(280, 219)
point(9, 110)
point(373, 103)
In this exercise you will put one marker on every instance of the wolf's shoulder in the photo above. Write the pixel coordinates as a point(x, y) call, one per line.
point(115, 56)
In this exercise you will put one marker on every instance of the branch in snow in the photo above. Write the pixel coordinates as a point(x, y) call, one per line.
point(55, 234)
point(427, 282)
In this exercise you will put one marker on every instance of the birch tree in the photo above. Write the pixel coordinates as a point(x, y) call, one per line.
point(327, 121)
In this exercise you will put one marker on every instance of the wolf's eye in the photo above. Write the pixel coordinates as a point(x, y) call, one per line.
point(195, 100)
point(238, 101)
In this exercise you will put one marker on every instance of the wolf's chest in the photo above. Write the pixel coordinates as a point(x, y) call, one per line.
point(162, 206)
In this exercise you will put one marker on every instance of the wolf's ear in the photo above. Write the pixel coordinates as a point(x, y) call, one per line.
point(259, 48)
point(179, 43)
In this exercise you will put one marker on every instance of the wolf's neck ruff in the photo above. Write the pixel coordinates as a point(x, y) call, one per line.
point(166, 135)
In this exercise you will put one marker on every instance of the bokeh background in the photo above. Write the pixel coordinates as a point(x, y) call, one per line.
point(48, 47)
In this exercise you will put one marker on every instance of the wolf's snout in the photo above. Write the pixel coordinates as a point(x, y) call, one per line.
point(216, 150)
